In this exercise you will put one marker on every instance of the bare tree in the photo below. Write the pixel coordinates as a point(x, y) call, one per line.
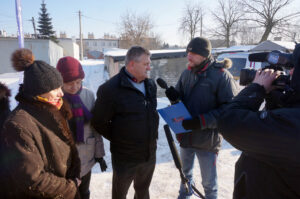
point(227, 16)
point(247, 33)
point(269, 14)
point(137, 30)
point(191, 22)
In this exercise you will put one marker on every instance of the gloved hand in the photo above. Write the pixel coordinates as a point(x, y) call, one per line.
point(172, 94)
point(102, 163)
point(179, 137)
point(191, 124)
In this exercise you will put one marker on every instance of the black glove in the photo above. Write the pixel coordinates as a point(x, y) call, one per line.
point(191, 124)
point(102, 163)
point(172, 94)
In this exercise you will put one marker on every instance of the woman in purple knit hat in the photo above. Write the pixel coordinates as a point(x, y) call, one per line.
point(89, 143)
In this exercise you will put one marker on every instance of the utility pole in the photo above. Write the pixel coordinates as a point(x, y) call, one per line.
point(201, 23)
point(33, 24)
point(80, 36)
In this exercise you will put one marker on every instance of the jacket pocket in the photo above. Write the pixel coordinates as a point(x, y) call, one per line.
point(87, 151)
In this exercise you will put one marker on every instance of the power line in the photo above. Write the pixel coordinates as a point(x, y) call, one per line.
point(104, 21)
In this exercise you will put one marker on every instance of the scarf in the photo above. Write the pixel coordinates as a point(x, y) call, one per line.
point(202, 66)
point(81, 115)
point(57, 104)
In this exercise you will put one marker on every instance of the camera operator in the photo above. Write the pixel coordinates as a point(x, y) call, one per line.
point(269, 166)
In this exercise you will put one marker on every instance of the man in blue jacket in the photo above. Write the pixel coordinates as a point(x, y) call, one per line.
point(204, 87)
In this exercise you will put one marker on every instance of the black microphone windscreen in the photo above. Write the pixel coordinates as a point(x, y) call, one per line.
point(172, 146)
point(162, 83)
point(258, 57)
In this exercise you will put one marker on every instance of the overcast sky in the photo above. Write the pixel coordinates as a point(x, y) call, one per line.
point(102, 16)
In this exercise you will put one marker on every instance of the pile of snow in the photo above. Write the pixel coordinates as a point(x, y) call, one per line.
point(166, 180)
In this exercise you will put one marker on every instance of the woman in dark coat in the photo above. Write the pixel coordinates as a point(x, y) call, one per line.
point(39, 155)
point(4, 103)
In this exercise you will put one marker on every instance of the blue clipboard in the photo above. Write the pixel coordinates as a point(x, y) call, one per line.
point(174, 115)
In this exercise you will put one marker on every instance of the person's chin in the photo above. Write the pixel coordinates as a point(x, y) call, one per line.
point(72, 92)
point(191, 65)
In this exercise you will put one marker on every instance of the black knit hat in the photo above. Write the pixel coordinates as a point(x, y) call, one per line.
point(200, 46)
point(39, 77)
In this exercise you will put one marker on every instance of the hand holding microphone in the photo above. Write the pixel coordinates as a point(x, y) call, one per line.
point(191, 124)
point(171, 93)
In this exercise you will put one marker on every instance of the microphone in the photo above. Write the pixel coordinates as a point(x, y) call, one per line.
point(171, 93)
point(162, 83)
point(174, 152)
point(258, 57)
point(178, 163)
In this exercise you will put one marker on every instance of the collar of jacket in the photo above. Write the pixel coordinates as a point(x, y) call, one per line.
point(65, 110)
point(201, 68)
point(130, 76)
point(125, 82)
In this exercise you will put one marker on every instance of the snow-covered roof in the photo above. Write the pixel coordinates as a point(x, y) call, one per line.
point(274, 45)
point(242, 48)
point(287, 44)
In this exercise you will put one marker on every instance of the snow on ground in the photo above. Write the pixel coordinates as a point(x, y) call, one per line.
point(166, 180)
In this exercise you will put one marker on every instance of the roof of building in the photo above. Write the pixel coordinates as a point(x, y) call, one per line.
point(119, 54)
point(275, 45)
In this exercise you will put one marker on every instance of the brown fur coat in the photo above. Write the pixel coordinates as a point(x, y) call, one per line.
point(38, 152)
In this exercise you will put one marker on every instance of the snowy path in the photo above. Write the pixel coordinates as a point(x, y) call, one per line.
point(166, 180)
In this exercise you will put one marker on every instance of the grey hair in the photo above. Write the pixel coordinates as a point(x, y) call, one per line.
point(134, 53)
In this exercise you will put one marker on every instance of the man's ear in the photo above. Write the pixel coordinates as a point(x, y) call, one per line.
point(130, 64)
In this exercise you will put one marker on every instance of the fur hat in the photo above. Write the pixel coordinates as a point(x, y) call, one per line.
point(200, 46)
point(70, 69)
point(39, 77)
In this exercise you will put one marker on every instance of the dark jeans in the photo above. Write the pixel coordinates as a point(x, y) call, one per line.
point(126, 172)
point(84, 186)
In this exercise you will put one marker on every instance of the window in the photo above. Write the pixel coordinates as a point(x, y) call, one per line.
point(95, 43)
point(109, 44)
point(114, 44)
point(87, 43)
point(237, 65)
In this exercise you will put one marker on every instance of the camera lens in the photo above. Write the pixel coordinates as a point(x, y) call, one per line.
point(247, 76)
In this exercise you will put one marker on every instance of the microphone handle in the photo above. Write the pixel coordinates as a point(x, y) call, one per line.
point(172, 146)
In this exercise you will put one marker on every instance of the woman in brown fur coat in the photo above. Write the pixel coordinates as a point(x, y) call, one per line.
point(38, 152)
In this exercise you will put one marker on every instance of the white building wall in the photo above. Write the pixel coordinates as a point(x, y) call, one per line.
point(99, 44)
point(44, 50)
point(70, 48)
point(55, 52)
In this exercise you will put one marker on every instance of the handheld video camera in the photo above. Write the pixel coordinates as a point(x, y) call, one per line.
point(276, 60)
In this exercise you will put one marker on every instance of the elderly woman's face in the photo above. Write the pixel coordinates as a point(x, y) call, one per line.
point(53, 96)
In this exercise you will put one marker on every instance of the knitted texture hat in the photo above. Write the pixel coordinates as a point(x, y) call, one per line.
point(39, 77)
point(200, 46)
point(70, 69)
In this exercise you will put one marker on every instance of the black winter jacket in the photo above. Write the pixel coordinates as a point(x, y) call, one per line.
point(128, 118)
point(269, 166)
point(204, 93)
point(4, 104)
